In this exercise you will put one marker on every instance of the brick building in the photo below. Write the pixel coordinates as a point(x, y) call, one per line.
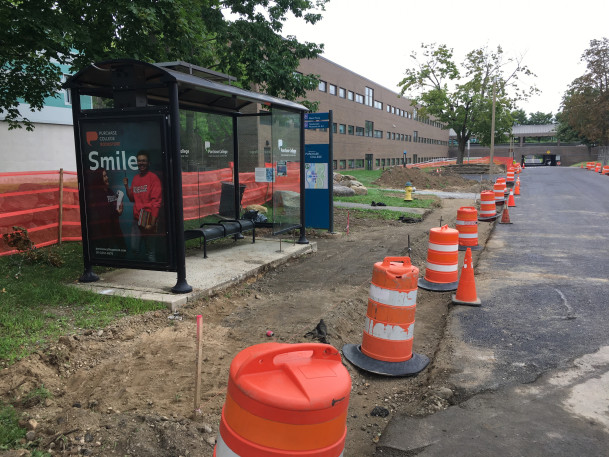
point(373, 126)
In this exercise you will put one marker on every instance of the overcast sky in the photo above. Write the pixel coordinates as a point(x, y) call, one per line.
point(375, 38)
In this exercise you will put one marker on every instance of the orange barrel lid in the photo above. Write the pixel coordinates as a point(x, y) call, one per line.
point(395, 273)
point(291, 383)
point(443, 235)
point(466, 213)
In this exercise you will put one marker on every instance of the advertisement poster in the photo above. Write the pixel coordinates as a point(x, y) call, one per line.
point(124, 190)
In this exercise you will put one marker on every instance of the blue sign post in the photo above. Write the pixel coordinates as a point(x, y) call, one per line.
point(319, 175)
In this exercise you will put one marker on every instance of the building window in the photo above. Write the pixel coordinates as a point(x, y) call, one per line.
point(350, 95)
point(415, 136)
point(388, 135)
point(393, 110)
point(342, 128)
point(369, 96)
point(369, 128)
point(359, 98)
point(378, 134)
point(322, 86)
point(332, 89)
point(334, 164)
point(67, 94)
point(377, 162)
point(378, 105)
point(393, 136)
point(359, 131)
point(351, 163)
point(341, 92)
point(334, 127)
point(350, 130)
point(343, 164)
point(359, 163)
point(388, 108)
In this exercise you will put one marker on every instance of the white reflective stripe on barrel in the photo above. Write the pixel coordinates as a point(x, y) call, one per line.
point(490, 213)
point(443, 247)
point(467, 222)
point(441, 268)
point(393, 297)
point(222, 449)
point(468, 235)
point(388, 331)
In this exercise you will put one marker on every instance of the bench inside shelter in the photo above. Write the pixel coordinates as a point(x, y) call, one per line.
point(211, 231)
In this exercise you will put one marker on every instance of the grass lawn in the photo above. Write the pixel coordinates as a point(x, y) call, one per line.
point(37, 304)
point(365, 176)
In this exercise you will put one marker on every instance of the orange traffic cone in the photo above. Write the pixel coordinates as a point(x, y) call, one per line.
point(505, 216)
point(511, 202)
point(517, 187)
point(466, 291)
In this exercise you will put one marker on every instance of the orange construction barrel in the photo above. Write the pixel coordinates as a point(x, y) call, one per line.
point(499, 194)
point(509, 182)
point(467, 226)
point(285, 400)
point(389, 328)
point(441, 270)
point(488, 210)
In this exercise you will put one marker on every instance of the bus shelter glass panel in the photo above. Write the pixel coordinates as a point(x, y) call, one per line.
point(285, 150)
point(255, 164)
point(206, 146)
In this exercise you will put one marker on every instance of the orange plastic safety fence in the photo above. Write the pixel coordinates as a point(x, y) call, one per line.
point(31, 200)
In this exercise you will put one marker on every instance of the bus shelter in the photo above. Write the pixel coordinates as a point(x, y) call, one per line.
point(168, 146)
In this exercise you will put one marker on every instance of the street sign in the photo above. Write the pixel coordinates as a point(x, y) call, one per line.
point(317, 125)
point(317, 120)
point(317, 116)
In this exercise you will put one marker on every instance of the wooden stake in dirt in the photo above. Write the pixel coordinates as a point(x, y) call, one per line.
point(60, 216)
point(199, 364)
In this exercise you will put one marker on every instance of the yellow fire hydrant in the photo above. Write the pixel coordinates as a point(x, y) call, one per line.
point(408, 194)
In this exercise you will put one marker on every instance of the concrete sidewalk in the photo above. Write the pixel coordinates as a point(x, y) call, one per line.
point(225, 266)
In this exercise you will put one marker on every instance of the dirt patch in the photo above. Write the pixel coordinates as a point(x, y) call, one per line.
point(128, 390)
point(440, 178)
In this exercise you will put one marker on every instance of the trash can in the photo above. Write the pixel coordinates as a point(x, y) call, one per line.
point(227, 199)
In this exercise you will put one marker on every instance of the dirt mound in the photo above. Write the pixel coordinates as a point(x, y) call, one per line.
point(431, 178)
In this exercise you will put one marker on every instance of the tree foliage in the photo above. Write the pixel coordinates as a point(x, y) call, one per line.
point(539, 118)
point(519, 116)
point(585, 104)
point(462, 97)
point(238, 37)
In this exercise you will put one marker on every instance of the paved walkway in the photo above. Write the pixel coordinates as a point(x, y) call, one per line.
point(225, 265)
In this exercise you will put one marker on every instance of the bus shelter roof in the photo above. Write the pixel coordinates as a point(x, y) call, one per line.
point(196, 92)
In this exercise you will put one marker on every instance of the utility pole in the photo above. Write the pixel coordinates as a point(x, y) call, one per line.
point(490, 165)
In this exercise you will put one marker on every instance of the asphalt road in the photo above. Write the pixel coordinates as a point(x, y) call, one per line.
point(531, 365)
point(545, 277)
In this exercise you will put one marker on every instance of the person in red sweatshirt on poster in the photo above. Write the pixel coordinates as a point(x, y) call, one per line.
point(146, 193)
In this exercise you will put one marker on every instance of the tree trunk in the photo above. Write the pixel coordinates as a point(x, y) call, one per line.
point(461, 151)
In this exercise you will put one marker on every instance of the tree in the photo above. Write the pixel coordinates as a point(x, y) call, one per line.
point(520, 117)
point(539, 118)
point(585, 104)
point(237, 37)
point(567, 134)
point(462, 99)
